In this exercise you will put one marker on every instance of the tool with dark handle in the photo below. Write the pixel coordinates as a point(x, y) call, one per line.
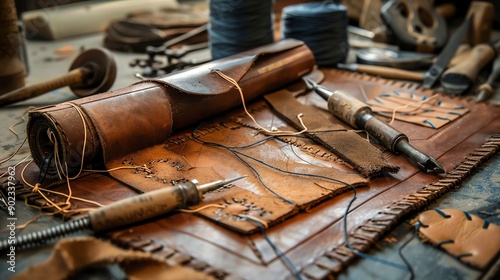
point(433, 74)
point(457, 79)
point(93, 71)
point(125, 212)
point(486, 90)
point(359, 115)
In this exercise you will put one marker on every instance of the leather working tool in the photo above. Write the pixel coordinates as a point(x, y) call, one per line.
point(127, 211)
point(153, 67)
point(481, 25)
point(93, 71)
point(486, 89)
point(457, 79)
point(382, 71)
point(359, 115)
point(415, 24)
point(394, 59)
point(433, 74)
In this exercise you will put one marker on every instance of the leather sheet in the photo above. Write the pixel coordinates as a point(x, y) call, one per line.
point(313, 238)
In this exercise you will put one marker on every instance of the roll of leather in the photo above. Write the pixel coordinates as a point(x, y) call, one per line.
point(93, 130)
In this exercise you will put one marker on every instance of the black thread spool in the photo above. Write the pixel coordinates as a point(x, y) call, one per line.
point(239, 25)
point(322, 26)
point(12, 71)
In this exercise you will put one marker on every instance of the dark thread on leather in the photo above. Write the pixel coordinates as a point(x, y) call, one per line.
point(486, 224)
point(467, 215)
point(420, 224)
point(433, 191)
point(464, 255)
point(442, 213)
point(439, 244)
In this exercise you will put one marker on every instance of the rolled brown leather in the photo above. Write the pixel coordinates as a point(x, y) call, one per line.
point(146, 113)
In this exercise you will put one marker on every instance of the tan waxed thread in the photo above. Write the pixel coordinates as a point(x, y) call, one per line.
point(268, 132)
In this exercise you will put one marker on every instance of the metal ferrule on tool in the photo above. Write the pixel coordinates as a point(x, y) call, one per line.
point(360, 116)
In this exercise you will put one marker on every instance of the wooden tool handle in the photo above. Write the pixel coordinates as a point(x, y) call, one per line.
point(391, 73)
point(73, 77)
point(477, 59)
point(483, 13)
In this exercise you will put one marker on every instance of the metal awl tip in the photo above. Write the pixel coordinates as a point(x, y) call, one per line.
point(310, 84)
point(208, 187)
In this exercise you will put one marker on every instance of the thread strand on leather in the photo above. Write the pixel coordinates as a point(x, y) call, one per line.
point(266, 131)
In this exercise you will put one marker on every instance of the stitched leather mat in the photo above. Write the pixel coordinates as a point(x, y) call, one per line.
point(312, 239)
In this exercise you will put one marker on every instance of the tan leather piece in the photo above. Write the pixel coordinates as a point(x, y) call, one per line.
point(415, 108)
point(465, 236)
point(348, 145)
point(72, 255)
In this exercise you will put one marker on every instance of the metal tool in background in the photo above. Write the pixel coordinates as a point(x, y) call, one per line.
point(386, 72)
point(125, 212)
point(362, 38)
point(153, 67)
point(487, 89)
point(395, 59)
point(459, 78)
point(93, 71)
point(433, 74)
point(414, 24)
point(359, 115)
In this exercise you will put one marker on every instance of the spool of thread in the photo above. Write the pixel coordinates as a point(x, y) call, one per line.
point(322, 26)
point(237, 26)
point(12, 71)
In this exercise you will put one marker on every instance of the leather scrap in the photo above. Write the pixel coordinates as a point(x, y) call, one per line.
point(415, 108)
point(72, 255)
point(348, 145)
point(469, 238)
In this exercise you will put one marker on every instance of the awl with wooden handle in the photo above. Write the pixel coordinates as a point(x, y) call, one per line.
point(457, 79)
point(359, 115)
point(126, 212)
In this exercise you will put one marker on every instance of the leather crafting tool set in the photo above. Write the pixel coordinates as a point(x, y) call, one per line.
point(305, 164)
